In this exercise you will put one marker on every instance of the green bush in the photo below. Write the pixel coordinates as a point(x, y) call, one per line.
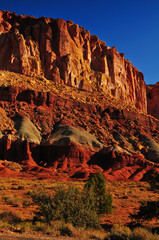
point(68, 205)
point(96, 187)
point(45, 206)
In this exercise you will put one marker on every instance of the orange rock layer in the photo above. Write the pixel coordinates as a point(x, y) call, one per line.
point(66, 53)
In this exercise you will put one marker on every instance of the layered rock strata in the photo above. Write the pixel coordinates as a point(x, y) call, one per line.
point(52, 136)
point(75, 153)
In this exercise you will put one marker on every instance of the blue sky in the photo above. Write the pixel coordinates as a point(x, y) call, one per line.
point(132, 26)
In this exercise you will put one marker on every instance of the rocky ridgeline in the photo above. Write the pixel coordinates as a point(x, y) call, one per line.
point(66, 53)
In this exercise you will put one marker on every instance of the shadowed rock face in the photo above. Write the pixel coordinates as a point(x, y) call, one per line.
point(153, 99)
point(66, 53)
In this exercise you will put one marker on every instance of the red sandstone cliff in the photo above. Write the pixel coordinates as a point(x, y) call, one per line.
point(66, 53)
point(48, 128)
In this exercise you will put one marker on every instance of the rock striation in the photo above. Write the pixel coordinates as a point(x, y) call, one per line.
point(63, 52)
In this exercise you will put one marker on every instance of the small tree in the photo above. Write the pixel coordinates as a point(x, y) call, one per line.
point(96, 187)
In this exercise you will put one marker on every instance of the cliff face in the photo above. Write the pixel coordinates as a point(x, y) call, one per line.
point(65, 53)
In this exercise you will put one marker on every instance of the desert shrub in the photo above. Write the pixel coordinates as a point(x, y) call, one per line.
point(124, 233)
point(25, 226)
point(41, 227)
point(143, 234)
point(119, 233)
point(10, 217)
point(68, 205)
point(45, 206)
point(96, 187)
point(66, 231)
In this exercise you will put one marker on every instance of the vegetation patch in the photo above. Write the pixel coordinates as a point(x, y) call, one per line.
point(71, 205)
point(20, 218)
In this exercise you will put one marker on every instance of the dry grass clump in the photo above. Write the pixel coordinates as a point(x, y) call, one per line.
point(124, 233)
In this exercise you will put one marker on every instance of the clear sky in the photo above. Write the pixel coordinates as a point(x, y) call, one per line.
point(132, 26)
